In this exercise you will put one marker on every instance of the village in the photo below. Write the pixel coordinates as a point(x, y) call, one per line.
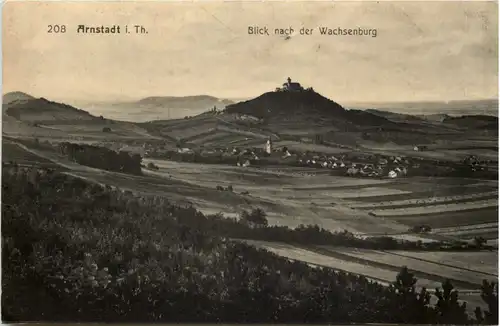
point(349, 163)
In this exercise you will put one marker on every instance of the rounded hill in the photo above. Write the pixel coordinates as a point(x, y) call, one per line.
point(277, 103)
point(15, 96)
point(305, 106)
point(41, 109)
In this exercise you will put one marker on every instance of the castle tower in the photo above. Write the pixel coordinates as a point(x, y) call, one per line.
point(269, 146)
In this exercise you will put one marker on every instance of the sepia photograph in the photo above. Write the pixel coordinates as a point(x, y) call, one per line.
point(250, 162)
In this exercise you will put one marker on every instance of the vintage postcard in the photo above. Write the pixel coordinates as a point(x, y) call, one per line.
point(250, 162)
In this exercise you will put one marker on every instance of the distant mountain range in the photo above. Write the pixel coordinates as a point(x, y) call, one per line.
point(463, 121)
point(184, 102)
point(196, 102)
point(154, 107)
point(454, 108)
point(293, 108)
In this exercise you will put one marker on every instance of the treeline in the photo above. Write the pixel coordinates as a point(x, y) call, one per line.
point(102, 158)
point(223, 159)
point(257, 228)
point(195, 157)
point(77, 251)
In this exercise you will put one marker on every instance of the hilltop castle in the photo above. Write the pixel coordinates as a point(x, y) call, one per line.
point(290, 86)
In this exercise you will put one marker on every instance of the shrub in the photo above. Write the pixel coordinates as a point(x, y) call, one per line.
point(152, 166)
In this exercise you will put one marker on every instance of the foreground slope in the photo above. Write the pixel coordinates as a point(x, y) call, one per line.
point(107, 255)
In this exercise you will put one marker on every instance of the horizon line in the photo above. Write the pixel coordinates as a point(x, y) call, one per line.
point(135, 99)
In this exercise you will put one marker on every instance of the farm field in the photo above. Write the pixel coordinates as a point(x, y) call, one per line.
point(275, 193)
point(430, 189)
point(344, 183)
point(293, 170)
point(326, 200)
point(425, 238)
point(482, 154)
point(427, 201)
point(449, 151)
point(451, 207)
point(241, 140)
point(442, 155)
point(382, 275)
point(183, 131)
point(15, 153)
point(450, 219)
point(468, 229)
point(256, 134)
point(76, 132)
point(490, 233)
point(386, 275)
point(364, 192)
point(467, 278)
point(484, 261)
point(310, 147)
point(445, 186)
point(216, 137)
point(291, 197)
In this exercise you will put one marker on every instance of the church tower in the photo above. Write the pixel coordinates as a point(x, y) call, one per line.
point(269, 146)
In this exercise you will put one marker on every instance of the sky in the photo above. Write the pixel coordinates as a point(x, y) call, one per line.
point(424, 51)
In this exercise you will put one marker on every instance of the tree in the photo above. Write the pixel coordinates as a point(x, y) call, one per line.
point(405, 281)
point(479, 242)
point(256, 217)
point(410, 305)
point(489, 294)
point(420, 228)
point(448, 309)
point(318, 139)
point(478, 313)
